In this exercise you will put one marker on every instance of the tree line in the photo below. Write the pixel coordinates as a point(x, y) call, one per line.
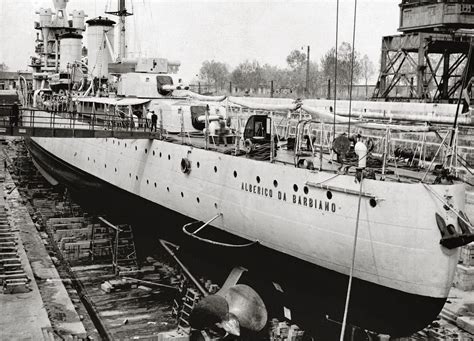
point(251, 75)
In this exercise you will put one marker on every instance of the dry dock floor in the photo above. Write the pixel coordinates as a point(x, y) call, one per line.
point(23, 315)
point(26, 316)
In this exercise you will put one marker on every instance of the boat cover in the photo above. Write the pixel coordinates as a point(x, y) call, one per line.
point(114, 101)
point(252, 104)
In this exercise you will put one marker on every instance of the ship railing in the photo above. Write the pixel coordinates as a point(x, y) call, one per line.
point(43, 122)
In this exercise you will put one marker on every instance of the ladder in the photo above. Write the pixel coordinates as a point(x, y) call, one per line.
point(125, 255)
point(101, 243)
point(188, 302)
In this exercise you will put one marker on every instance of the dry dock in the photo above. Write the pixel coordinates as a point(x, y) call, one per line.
point(54, 291)
point(39, 305)
point(45, 240)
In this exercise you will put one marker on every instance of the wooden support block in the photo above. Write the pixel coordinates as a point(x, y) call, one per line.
point(464, 277)
point(16, 288)
point(20, 275)
point(10, 261)
point(4, 255)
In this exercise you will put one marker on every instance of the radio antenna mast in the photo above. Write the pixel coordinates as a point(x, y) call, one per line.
point(122, 13)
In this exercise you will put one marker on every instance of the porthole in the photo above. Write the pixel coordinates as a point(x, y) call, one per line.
point(168, 189)
point(160, 154)
point(136, 148)
point(136, 177)
point(105, 166)
point(182, 195)
point(75, 154)
point(275, 183)
point(129, 175)
point(197, 199)
point(155, 184)
point(146, 150)
point(125, 145)
point(215, 204)
point(295, 187)
point(94, 160)
point(169, 157)
point(147, 182)
point(329, 195)
point(258, 179)
point(113, 141)
point(115, 170)
point(198, 164)
point(153, 153)
point(215, 169)
point(118, 142)
point(235, 174)
point(373, 202)
point(88, 159)
point(305, 189)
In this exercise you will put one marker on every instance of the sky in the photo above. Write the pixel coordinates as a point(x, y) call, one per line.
point(229, 31)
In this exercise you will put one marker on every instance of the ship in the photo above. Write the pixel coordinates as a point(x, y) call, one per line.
point(292, 210)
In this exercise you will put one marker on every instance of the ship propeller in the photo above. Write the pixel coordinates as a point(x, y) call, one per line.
point(231, 308)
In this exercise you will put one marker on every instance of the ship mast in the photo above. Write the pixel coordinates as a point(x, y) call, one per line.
point(122, 13)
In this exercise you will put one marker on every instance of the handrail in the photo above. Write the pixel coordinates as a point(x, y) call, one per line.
point(55, 119)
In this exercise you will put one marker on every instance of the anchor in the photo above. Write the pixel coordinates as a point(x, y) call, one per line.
point(451, 239)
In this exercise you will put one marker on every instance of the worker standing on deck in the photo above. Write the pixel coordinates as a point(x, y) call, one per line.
point(154, 120)
point(222, 132)
point(15, 114)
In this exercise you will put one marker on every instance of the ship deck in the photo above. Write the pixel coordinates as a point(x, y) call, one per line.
point(82, 125)
point(394, 171)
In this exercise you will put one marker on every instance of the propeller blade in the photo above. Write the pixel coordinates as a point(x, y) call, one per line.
point(247, 306)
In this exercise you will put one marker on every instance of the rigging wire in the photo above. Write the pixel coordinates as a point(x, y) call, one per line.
point(352, 67)
point(464, 76)
point(335, 71)
point(351, 273)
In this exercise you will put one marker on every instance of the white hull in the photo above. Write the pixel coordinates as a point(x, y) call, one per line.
point(398, 244)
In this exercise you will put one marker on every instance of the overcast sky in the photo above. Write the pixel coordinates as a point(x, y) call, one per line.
point(229, 31)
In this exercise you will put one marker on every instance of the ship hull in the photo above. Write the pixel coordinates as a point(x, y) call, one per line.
point(311, 292)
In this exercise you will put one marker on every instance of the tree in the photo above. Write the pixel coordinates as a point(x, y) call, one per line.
point(344, 61)
point(296, 60)
point(215, 73)
point(248, 75)
point(367, 70)
point(3, 67)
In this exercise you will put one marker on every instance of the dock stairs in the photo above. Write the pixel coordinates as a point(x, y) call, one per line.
point(13, 278)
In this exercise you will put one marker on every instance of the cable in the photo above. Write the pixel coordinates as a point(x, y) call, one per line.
point(335, 72)
point(352, 67)
point(351, 273)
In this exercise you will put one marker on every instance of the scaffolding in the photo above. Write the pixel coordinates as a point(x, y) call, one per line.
point(427, 60)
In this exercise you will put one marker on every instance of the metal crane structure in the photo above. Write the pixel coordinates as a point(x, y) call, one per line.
point(426, 61)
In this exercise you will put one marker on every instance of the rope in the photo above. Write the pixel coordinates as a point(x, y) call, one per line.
point(352, 67)
point(260, 152)
point(445, 203)
point(213, 242)
point(351, 273)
